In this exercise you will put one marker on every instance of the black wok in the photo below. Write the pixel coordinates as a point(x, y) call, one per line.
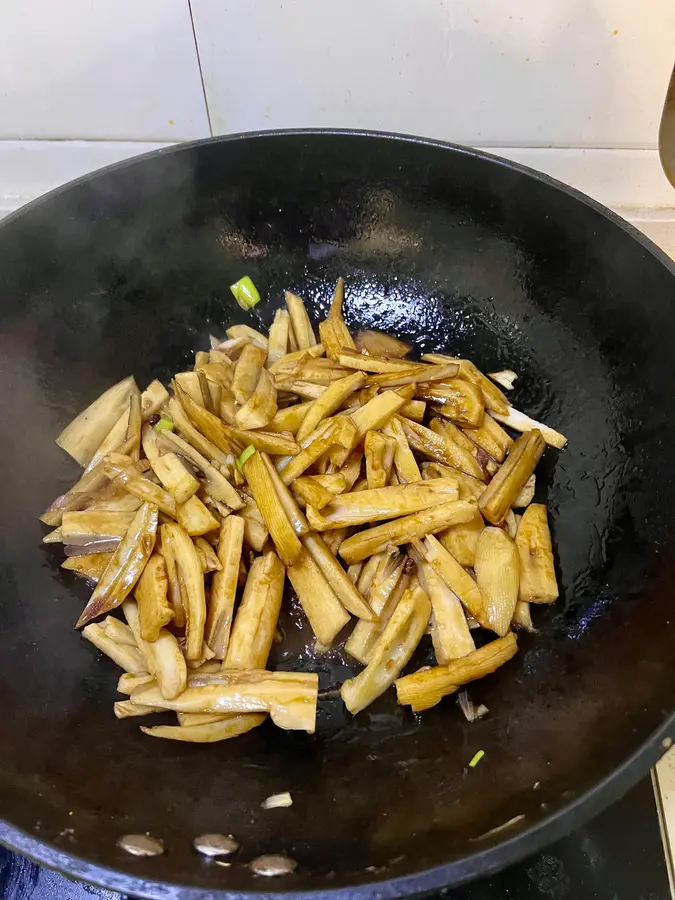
point(127, 271)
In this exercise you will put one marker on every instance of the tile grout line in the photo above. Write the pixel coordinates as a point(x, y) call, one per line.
point(199, 64)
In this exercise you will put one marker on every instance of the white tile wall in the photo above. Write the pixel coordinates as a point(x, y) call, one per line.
point(566, 73)
point(99, 69)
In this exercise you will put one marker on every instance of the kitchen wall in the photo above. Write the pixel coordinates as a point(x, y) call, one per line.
point(573, 87)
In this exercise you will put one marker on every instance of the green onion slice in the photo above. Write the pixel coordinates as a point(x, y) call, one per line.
point(247, 454)
point(476, 758)
point(245, 293)
point(164, 424)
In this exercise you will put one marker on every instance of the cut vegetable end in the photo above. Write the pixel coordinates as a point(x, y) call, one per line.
point(245, 293)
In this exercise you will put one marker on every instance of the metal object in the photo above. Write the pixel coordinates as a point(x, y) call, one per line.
point(128, 271)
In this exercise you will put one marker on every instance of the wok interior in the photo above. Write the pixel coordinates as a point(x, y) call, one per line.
point(128, 273)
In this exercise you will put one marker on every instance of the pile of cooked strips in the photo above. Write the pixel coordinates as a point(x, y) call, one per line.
point(385, 490)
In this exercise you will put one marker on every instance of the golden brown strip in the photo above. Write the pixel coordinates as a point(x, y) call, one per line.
point(256, 621)
point(267, 499)
point(224, 586)
point(537, 571)
point(502, 491)
point(403, 530)
point(392, 651)
point(427, 687)
point(125, 566)
point(326, 614)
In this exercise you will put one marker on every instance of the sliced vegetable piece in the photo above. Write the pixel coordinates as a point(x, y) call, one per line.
point(461, 540)
point(336, 577)
point(508, 482)
point(289, 697)
point(247, 372)
point(310, 491)
point(427, 687)
point(392, 651)
point(491, 437)
point(423, 376)
point(300, 323)
point(191, 579)
point(456, 578)
point(267, 499)
point(403, 530)
point(154, 609)
point(377, 447)
point(224, 586)
point(125, 566)
point(538, 583)
point(223, 729)
point(379, 365)
point(328, 403)
point(196, 518)
point(175, 591)
point(388, 586)
point(505, 378)
point(434, 443)
point(494, 399)
point(261, 406)
point(128, 658)
point(90, 566)
point(497, 575)
point(175, 477)
point(288, 502)
point(277, 342)
point(289, 419)
point(121, 469)
point(81, 527)
point(163, 656)
point(192, 436)
point(407, 469)
point(256, 620)
point(240, 333)
point(520, 422)
point(81, 438)
point(362, 507)
point(450, 632)
point(216, 485)
point(322, 607)
point(376, 343)
point(461, 401)
point(334, 333)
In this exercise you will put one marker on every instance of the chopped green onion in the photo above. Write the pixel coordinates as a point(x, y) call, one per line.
point(476, 759)
point(164, 424)
point(247, 454)
point(245, 293)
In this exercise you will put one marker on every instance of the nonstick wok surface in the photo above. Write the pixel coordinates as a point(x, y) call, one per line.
point(126, 272)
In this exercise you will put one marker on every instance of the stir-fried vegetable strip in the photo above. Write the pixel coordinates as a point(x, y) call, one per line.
point(394, 497)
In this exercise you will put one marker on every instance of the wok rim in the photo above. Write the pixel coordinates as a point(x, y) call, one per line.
point(529, 839)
